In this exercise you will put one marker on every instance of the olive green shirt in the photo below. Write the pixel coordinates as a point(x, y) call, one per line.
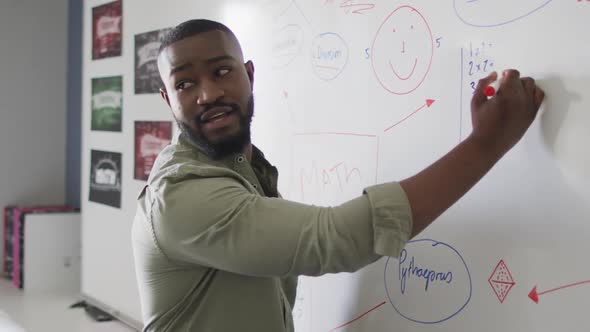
point(217, 250)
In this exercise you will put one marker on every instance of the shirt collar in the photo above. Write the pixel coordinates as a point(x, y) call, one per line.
point(230, 161)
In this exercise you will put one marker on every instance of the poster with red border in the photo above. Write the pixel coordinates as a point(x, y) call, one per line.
point(151, 137)
point(107, 30)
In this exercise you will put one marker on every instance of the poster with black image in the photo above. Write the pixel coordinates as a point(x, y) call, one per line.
point(105, 178)
point(147, 77)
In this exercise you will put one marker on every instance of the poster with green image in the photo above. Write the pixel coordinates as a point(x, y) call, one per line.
point(107, 103)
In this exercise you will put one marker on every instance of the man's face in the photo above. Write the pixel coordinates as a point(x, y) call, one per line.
point(209, 90)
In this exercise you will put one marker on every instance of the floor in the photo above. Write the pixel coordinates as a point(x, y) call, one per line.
point(46, 313)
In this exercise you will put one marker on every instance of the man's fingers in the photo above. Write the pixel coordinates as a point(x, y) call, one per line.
point(529, 85)
point(510, 80)
point(479, 95)
point(538, 97)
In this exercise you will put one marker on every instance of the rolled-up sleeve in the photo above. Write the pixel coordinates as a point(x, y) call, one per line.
point(218, 223)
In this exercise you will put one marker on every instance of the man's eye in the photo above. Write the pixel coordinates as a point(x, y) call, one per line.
point(223, 71)
point(184, 85)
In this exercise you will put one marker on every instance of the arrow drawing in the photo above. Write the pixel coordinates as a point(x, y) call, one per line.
point(534, 294)
point(359, 317)
point(429, 102)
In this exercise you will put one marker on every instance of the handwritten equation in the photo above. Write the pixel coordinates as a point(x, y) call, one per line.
point(477, 62)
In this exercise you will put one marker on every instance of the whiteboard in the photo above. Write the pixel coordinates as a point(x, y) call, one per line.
point(353, 93)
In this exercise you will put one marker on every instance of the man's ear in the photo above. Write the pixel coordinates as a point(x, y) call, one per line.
point(164, 95)
point(250, 70)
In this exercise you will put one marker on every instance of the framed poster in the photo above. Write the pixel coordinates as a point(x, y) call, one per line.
point(147, 45)
point(105, 178)
point(107, 31)
point(151, 137)
point(107, 103)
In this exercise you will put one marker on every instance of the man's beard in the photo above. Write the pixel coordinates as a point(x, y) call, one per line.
point(230, 145)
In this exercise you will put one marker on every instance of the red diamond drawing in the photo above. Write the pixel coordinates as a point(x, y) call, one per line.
point(501, 281)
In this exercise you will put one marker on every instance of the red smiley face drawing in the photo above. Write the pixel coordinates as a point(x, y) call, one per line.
point(402, 51)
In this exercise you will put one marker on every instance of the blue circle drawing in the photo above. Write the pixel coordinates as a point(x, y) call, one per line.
point(436, 321)
point(329, 55)
point(480, 5)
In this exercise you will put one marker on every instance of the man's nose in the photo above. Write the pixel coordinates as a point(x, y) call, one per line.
point(209, 92)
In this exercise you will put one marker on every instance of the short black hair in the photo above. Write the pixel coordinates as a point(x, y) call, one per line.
point(191, 28)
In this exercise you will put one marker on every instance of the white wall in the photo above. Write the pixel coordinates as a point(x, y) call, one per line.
point(33, 39)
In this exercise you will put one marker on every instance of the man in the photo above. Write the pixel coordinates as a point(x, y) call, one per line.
point(217, 250)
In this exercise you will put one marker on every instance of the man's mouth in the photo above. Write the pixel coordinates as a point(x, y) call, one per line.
point(216, 114)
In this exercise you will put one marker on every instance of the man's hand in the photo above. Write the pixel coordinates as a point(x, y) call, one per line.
point(498, 124)
point(501, 121)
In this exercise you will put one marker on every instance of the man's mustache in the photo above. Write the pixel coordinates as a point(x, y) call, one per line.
point(233, 106)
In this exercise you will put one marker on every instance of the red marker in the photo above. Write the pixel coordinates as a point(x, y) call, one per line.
point(492, 88)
